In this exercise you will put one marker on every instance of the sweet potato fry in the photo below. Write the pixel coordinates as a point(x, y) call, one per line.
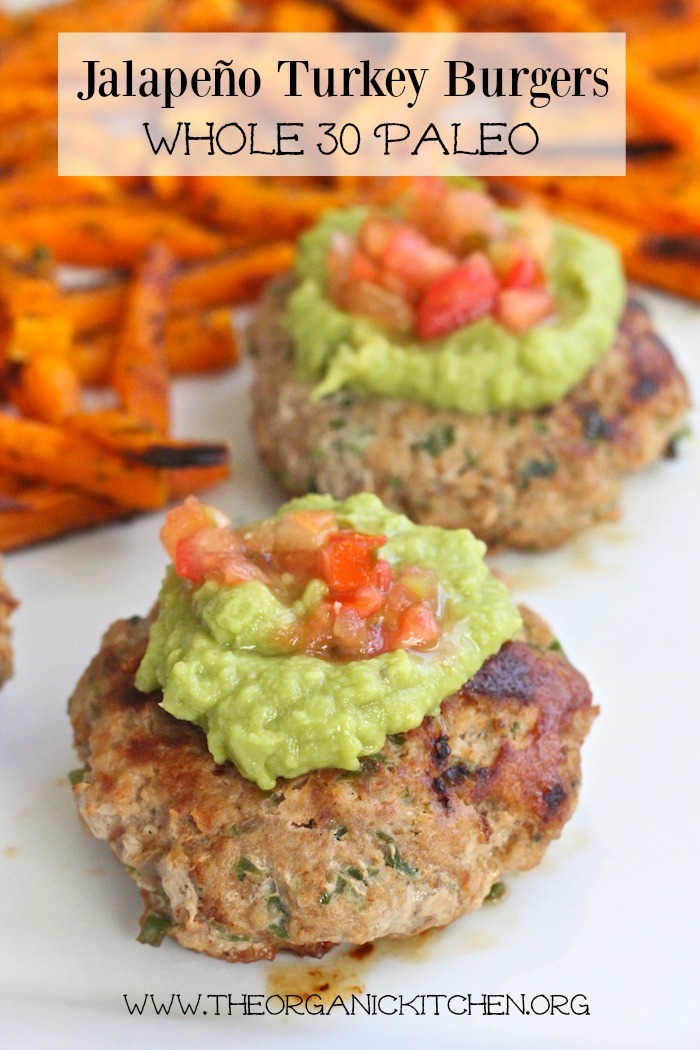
point(46, 387)
point(27, 141)
point(301, 16)
point(46, 453)
point(39, 513)
point(39, 185)
point(247, 204)
point(184, 482)
point(196, 342)
point(139, 369)
point(109, 234)
point(116, 430)
point(195, 16)
point(201, 342)
point(221, 281)
point(229, 280)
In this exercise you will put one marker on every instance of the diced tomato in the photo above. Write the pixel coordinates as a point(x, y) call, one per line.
point(417, 628)
point(189, 517)
point(214, 553)
point(305, 530)
point(349, 628)
point(466, 213)
point(414, 261)
point(378, 304)
point(524, 273)
point(461, 296)
point(375, 234)
point(348, 561)
point(362, 268)
point(518, 309)
point(384, 575)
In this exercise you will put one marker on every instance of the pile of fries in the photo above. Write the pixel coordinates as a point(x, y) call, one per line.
point(189, 249)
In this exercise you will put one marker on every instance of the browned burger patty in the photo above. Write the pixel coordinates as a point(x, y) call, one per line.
point(525, 479)
point(413, 840)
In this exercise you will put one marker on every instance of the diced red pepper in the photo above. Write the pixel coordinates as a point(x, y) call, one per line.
point(185, 519)
point(214, 553)
point(523, 272)
point(414, 261)
point(417, 628)
point(459, 297)
point(362, 268)
point(518, 309)
point(348, 561)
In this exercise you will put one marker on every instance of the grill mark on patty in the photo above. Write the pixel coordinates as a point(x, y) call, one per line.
point(554, 797)
point(509, 675)
point(649, 361)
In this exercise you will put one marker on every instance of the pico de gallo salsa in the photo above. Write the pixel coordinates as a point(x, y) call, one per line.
point(301, 642)
point(368, 607)
point(447, 261)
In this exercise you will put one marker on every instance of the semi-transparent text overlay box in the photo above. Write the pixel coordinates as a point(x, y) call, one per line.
point(342, 103)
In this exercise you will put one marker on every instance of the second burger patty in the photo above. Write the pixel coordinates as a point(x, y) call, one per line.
point(528, 479)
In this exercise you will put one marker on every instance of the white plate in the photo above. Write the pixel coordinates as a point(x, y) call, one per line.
point(612, 914)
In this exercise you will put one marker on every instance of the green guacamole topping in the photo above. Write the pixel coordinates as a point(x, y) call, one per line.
point(479, 368)
point(272, 713)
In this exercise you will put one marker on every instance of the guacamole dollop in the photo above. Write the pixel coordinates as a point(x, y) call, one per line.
point(212, 651)
point(480, 368)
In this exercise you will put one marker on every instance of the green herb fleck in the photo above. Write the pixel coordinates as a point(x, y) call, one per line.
point(397, 739)
point(536, 468)
point(340, 831)
point(338, 423)
point(41, 254)
point(246, 867)
point(76, 776)
point(227, 934)
point(495, 893)
point(279, 928)
point(470, 459)
point(278, 904)
point(392, 856)
point(675, 439)
point(555, 646)
point(514, 729)
point(234, 831)
point(153, 929)
point(436, 441)
point(395, 482)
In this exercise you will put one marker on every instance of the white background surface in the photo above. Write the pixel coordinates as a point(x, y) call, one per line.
point(613, 913)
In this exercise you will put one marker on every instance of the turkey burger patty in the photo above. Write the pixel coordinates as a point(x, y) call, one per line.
point(413, 839)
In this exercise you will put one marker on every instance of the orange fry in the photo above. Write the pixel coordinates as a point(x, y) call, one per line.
point(41, 513)
point(117, 430)
point(109, 234)
point(139, 370)
point(183, 482)
point(39, 184)
point(197, 342)
point(247, 204)
point(222, 281)
point(46, 387)
point(46, 453)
